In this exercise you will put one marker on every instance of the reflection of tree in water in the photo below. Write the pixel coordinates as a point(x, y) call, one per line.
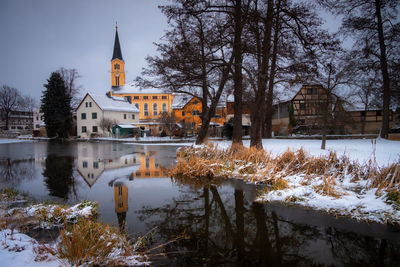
point(13, 171)
point(58, 175)
point(351, 249)
point(225, 229)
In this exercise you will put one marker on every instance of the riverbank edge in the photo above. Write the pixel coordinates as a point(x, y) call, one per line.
point(275, 189)
point(19, 215)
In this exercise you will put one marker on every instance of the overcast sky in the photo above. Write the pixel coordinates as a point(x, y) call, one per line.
point(40, 36)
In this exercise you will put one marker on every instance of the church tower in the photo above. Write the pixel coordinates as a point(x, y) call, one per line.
point(117, 64)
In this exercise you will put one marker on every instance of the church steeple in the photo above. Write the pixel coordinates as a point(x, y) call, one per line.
point(117, 64)
point(117, 48)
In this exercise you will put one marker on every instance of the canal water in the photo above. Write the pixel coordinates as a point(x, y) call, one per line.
point(210, 224)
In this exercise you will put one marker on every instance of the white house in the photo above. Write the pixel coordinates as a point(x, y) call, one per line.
point(94, 108)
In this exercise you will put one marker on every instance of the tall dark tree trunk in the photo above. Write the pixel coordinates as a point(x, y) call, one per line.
point(237, 75)
point(267, 133)
point(206, 118)
point(257, 117)
point(385, 73)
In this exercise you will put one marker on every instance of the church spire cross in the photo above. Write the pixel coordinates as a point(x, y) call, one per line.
point(117, 48)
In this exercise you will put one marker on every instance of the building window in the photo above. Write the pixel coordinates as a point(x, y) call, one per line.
point(193, 125)
point(164, 97)
point(154, 97)
point(311, 91)
point(147, 163)
point(83, 116)
point(164, 107)
point(37, 126)
point(378, 113)
point(84, 164)
point(133, 116)
point(195, 113)
point(145, 97)
point(83, 129)
point(86, 104)
point(362, 113)
point(183, 113)
point(146, 109)
point(94, 129)
point(116, 66)
point(124, 116)
point(37, 118)
point(195, 102)
point(94, 115)
point(155, 111)
point(95, 165)
point(136, 97)
point(117, 80)
point(302, 106)
point(90, 104)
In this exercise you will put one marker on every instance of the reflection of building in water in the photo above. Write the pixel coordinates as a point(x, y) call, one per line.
point(91, 168)
point(149, 167)
point(121, 203)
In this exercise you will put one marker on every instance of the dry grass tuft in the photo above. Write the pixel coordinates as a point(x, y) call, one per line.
point(388, 178)
point(92, 243)
point(279, 184)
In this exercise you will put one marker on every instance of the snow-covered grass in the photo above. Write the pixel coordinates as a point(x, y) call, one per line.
point(82, 240)
point(18, 249)
point(362, 150)
point(349, 179)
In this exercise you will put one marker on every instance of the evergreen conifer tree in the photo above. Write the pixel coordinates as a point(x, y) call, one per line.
point(55, 105)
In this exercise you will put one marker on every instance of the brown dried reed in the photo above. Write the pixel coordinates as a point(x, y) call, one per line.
point(211, 162)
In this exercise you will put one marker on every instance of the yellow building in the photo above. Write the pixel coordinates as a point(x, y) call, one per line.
point(187, 111)
point(151, 102)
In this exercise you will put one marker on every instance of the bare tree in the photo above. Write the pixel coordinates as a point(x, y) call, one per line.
point(168, 121)
point(106, 124)
point(375, 28)
point(334, 73)
point(9, 101)
point(70, 76)
point(195, 57)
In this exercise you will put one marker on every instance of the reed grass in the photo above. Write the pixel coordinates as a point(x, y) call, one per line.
point(260, 166)
point(92, 243)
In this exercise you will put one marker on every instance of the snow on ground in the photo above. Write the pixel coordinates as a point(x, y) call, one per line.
point(17, 249)
point(8, 141)
point(362, 150)
point(351, 197)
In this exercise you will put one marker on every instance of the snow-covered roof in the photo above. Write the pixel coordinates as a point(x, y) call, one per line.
point(113, 103)
point(180, 100)
point(127, 126)
point(284, 93)
point(131, 88)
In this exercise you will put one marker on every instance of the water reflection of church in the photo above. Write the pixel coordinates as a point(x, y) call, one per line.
point(150, 167)
point(121, 203)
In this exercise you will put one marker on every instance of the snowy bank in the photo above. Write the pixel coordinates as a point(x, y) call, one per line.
point(385, 151)
point(337, 184)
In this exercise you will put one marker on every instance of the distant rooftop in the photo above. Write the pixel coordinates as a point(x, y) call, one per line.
point(113, 103)
point(131, 88)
